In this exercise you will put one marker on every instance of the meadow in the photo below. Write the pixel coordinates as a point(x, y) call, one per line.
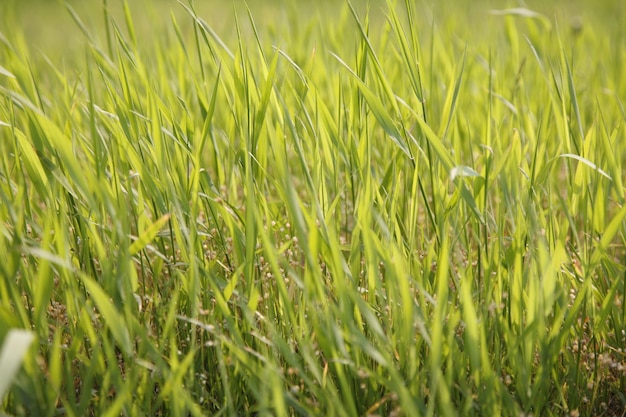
point(297, 208)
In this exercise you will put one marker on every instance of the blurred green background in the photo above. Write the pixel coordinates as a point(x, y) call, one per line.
point(47, 24)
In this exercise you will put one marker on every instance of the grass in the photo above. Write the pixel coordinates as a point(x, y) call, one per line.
point(393, 209)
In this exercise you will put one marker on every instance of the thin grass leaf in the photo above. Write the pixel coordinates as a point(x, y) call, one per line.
point(379, 112)
point(521, 12)
point(588, 163)
point(112, 317)
point(610, 231)
point(148, 235)
point(462, 171)
point(440, 150)
point(5, 72)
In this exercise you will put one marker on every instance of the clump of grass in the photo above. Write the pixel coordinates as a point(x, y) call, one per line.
point(391, 211)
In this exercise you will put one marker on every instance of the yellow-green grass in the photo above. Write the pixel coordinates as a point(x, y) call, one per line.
point(313, 209)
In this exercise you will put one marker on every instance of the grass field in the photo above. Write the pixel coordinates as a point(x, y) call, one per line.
point(312, 209)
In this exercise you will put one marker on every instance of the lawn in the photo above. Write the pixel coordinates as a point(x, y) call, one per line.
point(300, 208)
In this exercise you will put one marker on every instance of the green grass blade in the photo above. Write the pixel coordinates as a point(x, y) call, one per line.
point(14, 347)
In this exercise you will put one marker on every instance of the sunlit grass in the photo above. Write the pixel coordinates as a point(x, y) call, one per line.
point(354, 210)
